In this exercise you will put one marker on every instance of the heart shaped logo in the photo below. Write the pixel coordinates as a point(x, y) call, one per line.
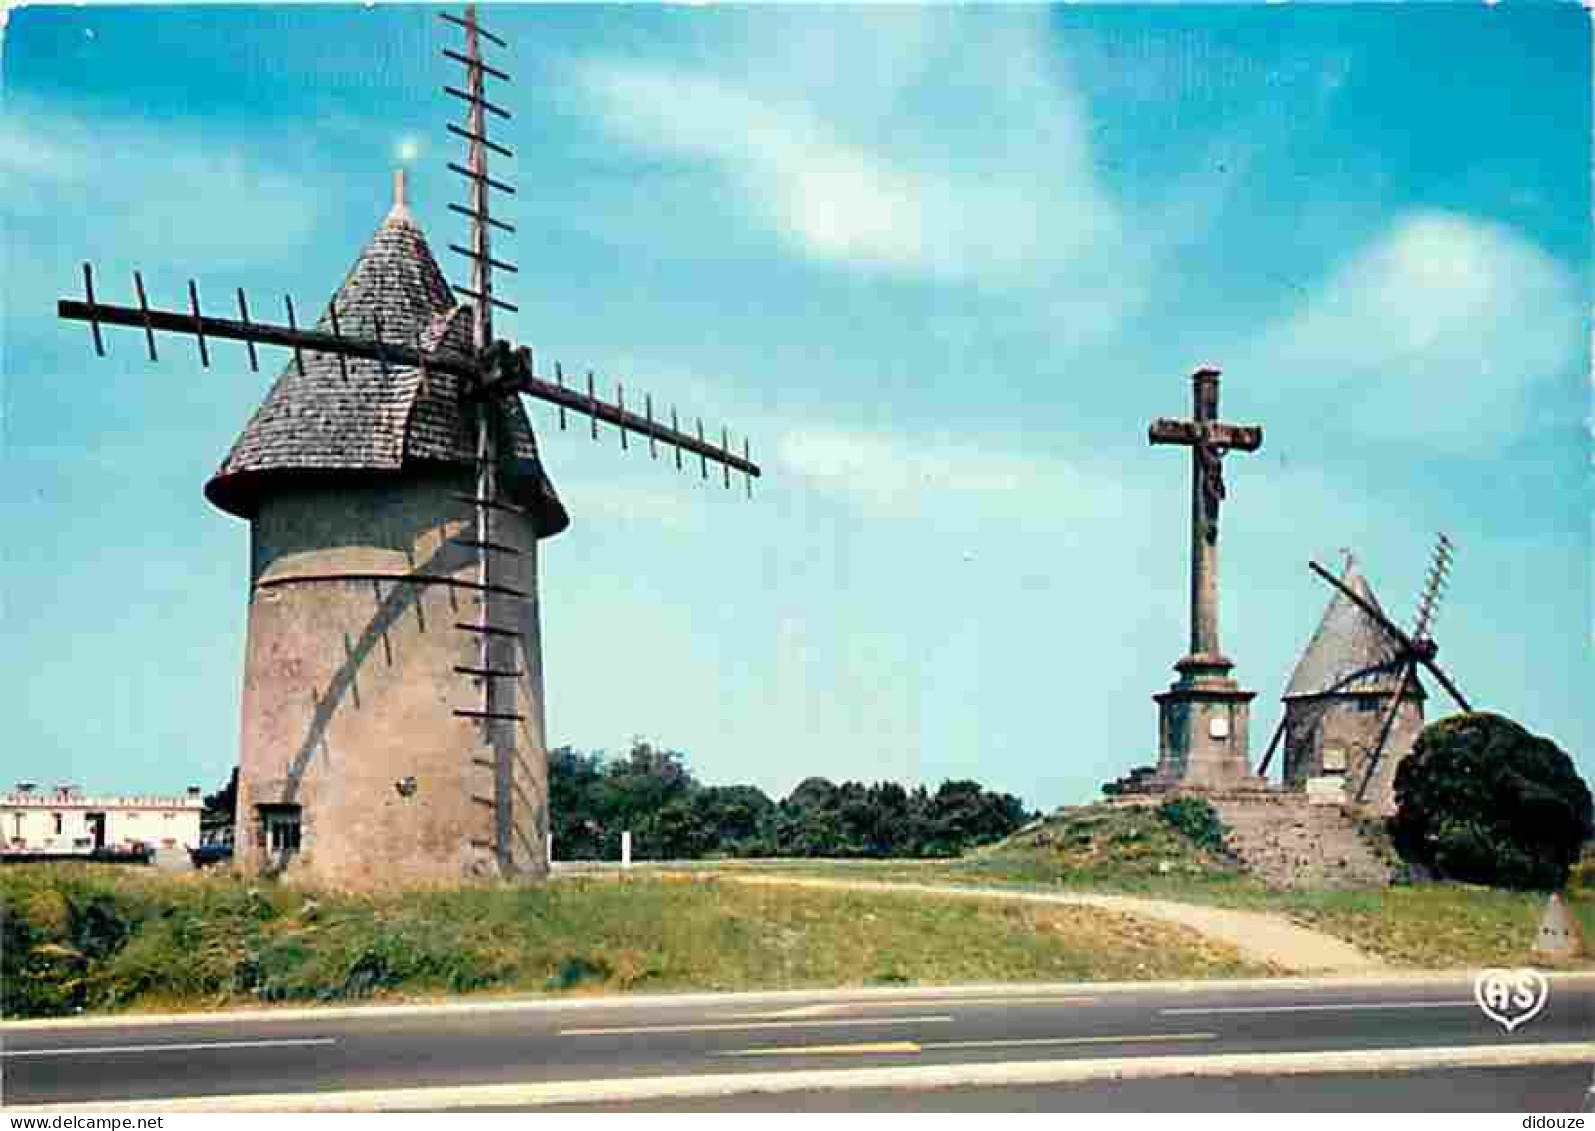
point(1511, 997)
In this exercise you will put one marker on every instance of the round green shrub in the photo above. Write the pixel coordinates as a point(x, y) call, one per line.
point(1196, 818)
point(1482, 800)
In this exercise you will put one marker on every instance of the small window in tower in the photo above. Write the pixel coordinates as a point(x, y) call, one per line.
point(58, 823)
point(282, 828)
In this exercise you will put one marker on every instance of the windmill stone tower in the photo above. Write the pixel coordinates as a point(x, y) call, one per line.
point(354, 477)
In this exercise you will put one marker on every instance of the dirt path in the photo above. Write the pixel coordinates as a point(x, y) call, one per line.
point(1258, 935)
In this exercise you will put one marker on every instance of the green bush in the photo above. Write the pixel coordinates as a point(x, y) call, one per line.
point(1196, 818)
point(56, 932)
point(672, 816)
point(1480, 799)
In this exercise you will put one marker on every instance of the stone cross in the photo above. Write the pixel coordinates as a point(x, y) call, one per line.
point(1209, 440)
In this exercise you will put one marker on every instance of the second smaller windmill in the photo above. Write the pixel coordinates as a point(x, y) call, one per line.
point(1355, 703)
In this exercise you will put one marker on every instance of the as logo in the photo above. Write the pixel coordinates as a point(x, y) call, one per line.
point(1511, 997)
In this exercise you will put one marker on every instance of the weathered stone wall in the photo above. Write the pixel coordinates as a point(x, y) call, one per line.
point(1289, 843)
point(350, 688)
point(1314, 725)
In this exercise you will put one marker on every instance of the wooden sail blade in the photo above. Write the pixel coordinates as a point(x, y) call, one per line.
point(206, 327)
point(481, 139)
point(470, 24)
point(477, 100)
point(643, 425)
point(1358, 675)
point(477, 63)
point(1445, 682)
point(1385, 725)
point(1273, 743)
point(1378, 617)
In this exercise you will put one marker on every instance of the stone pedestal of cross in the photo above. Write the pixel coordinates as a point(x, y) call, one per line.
point(1204, 716)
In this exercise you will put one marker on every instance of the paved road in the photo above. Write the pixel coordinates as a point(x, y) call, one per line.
point(605, 1039)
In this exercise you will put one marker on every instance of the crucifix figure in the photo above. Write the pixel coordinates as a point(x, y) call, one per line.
point(1209, 440)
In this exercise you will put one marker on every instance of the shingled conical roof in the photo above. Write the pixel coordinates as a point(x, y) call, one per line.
point(1350, 654)
point(325, 423)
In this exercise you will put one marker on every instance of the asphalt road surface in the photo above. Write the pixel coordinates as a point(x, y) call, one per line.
point(602, 1040)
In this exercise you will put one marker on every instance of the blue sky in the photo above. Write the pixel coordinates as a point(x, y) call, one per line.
point(943, 265)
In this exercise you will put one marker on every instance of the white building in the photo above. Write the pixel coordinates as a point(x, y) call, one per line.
point(63, 820)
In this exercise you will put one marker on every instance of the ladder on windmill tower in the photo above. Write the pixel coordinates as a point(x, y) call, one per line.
point(491, 370)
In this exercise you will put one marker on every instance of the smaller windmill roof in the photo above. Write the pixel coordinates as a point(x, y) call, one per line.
point(1351, 653)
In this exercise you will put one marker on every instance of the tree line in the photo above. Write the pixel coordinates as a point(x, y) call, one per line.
point(593, 798)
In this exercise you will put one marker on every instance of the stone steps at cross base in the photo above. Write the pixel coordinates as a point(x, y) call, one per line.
point(1288, 843)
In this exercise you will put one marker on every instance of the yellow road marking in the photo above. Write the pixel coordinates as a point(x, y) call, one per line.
point(830, 1050)
point(831, 1009)
point(1009, 1001)
point(804, 1011)
point(722, 1026)
point(875, 1047)
point(1022, 1042)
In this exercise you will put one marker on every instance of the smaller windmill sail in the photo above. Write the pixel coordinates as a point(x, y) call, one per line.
point(1350, 653)
point(1433, 589)
point(1409, 651)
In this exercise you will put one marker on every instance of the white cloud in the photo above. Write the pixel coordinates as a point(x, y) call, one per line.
point(156, 192)
point(1438, 331)
point(851, 157)
point(899, 474)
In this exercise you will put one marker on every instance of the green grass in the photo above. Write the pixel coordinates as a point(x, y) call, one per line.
point(1132, 851)
point(1435, 926)
point(96, 938)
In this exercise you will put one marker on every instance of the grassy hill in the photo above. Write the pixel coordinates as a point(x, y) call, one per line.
point(1111, 845)
point(1135, 850)
point(1098, 847)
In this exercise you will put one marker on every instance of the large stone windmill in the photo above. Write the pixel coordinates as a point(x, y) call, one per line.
point(392, 723)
